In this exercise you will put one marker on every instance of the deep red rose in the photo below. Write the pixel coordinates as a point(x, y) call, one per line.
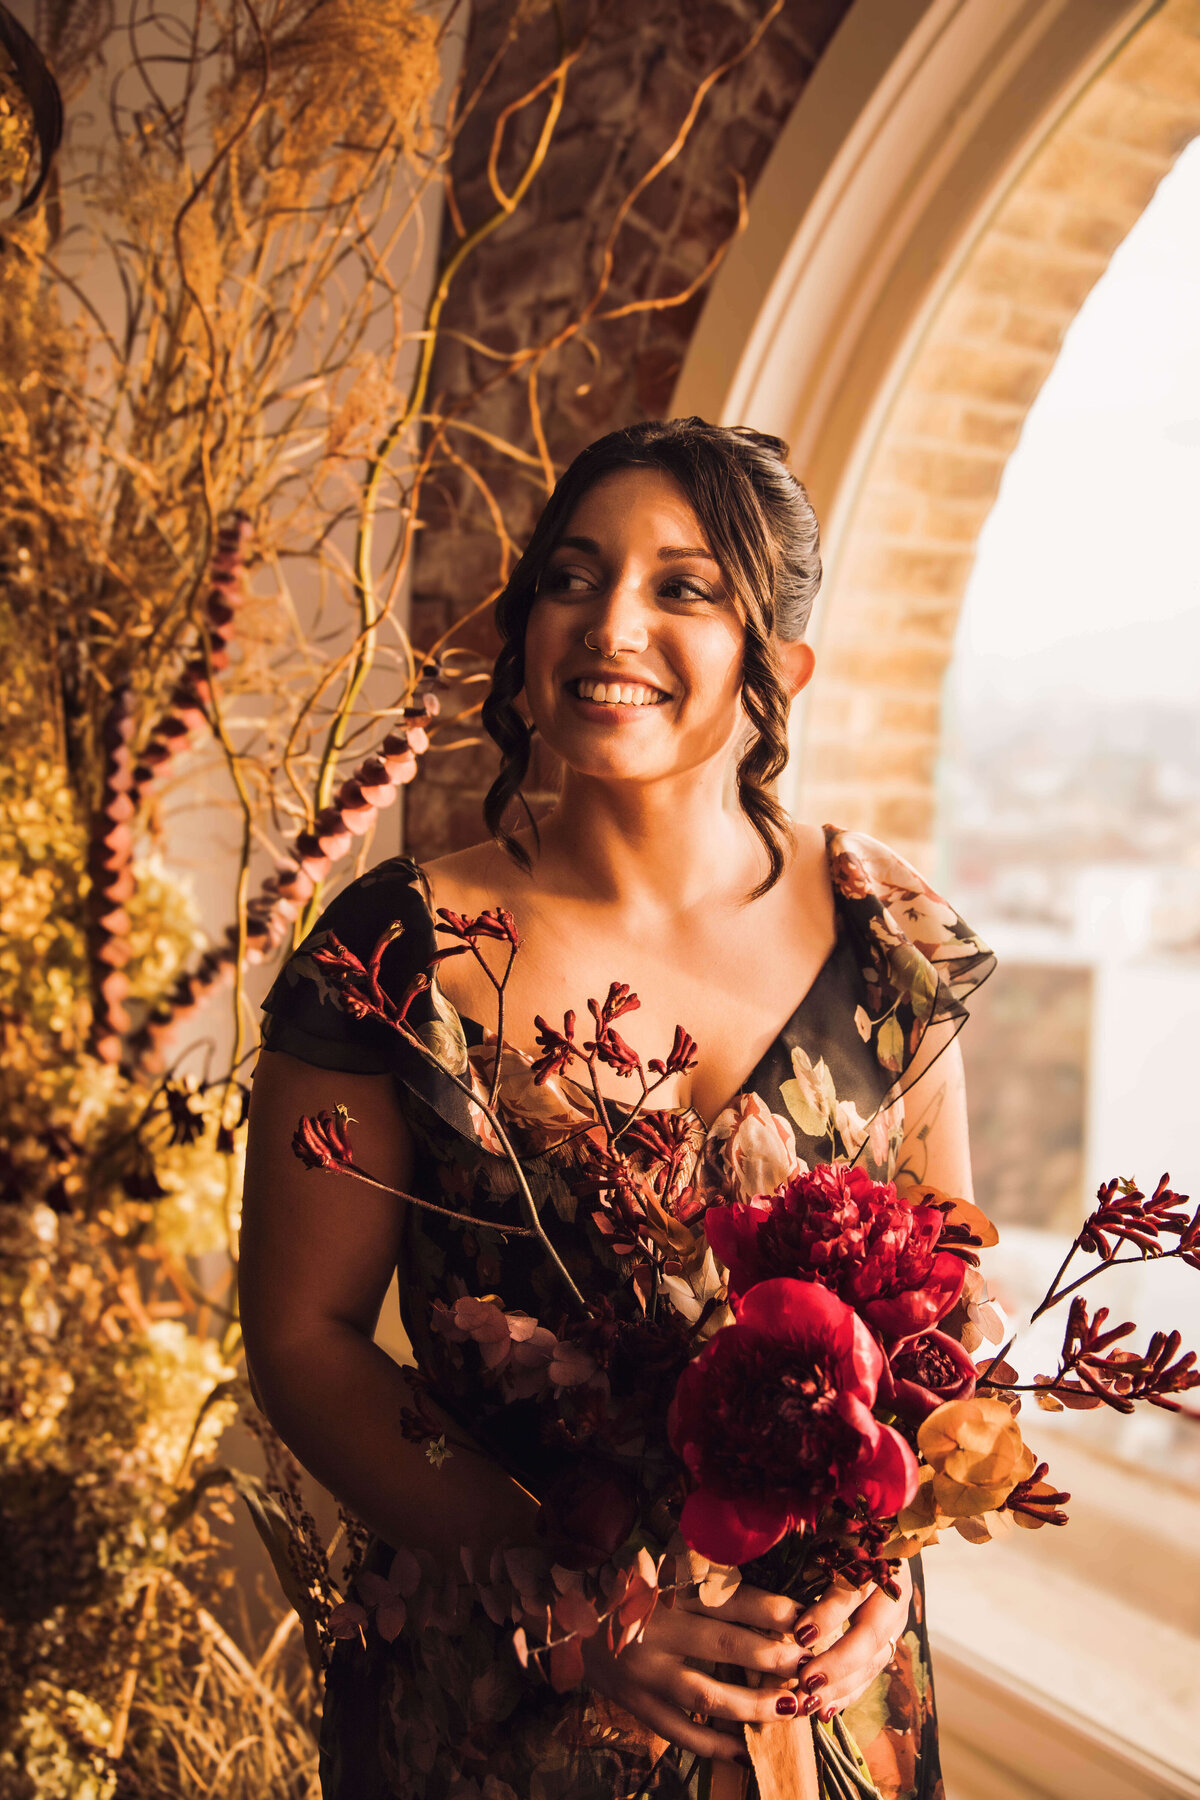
point(773, 1421)
point(853, 1235)
point(924, 1372)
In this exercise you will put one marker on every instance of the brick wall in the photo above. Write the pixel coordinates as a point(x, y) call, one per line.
point(626, 97)
point(873, 728)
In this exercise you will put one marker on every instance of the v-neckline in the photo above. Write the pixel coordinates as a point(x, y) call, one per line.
point(789, 1024)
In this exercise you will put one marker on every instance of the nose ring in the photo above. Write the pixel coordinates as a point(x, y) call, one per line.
point(609, 654)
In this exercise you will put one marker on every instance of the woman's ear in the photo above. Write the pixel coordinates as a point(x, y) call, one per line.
point(797, 662)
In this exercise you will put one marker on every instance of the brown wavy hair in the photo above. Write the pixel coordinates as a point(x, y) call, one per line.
point(760, 526)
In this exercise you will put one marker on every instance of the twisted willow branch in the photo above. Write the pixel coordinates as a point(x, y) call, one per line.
point(364, 584)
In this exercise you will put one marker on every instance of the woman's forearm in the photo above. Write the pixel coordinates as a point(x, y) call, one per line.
point(336, 1401)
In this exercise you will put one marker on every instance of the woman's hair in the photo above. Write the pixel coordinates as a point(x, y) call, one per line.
point(760, 526)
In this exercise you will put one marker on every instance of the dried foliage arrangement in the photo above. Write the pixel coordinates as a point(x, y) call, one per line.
point(217, 446)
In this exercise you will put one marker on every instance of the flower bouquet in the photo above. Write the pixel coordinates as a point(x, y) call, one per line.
point(780, 1382)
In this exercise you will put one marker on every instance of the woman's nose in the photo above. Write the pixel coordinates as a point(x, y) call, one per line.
point(619, 624)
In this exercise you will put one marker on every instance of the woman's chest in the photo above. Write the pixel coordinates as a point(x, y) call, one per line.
point(734, 993)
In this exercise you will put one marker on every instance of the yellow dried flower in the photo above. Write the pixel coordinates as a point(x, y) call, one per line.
point(202, 1208)
point(164, 927)
point(977, 1455)
point(57, 1752)
point(168, 1374)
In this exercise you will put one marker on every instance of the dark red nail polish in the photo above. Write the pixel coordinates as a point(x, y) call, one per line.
point(785, 1706)
point(808, 1635)
point(828, 1714)
point(815, 1681)
point(810, 1706)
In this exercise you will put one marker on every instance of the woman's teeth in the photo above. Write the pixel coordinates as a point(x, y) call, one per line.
point(612, 694)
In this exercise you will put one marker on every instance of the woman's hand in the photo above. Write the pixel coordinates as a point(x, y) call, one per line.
point(655, 1678)
point(842, 1665)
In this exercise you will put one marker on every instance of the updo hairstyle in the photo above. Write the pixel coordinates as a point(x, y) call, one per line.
point(760, 526)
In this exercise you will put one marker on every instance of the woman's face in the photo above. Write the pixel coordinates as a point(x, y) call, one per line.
point(633, 650)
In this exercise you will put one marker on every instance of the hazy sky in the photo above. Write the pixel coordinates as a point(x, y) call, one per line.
point(1088, 576)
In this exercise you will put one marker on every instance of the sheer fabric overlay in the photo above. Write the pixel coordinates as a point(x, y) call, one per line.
point(445, 1712)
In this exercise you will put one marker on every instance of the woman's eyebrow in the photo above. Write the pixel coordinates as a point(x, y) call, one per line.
point(590, 547)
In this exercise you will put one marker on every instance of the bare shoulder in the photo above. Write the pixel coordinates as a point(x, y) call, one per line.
point(808, 864)
point(807, 885)
point(471, 879)
point(810, 857)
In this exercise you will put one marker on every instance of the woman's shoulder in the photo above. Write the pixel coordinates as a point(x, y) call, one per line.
point(481, 876)
point(386, 911)
point(915, 940)
point(392, 894)
point(861, 864)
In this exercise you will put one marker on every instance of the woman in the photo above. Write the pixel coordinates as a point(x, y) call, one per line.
point(653, 637)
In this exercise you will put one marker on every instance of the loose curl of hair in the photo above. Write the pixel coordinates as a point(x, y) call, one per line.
point(759, 525)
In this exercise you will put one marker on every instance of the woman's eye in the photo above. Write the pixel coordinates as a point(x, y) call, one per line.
point(563, 581)
point(679, 588)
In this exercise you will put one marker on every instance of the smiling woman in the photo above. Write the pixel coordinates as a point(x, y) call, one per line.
point(672, 519)
point(652, 636)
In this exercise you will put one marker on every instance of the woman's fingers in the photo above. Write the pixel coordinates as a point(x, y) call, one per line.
point(678, 1727)
point(838, 1675)
point(844, 1663)
point(706, 1697)
point(750, 1606)
point(822, 1623)
point(712, 1639)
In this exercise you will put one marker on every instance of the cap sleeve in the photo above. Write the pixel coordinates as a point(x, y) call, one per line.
point(304, 1016)
point(920, 961)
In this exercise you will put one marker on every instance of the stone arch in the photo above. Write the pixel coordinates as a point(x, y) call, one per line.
point(907, 455)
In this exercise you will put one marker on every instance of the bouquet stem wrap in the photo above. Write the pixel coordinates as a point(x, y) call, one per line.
point(792, 1763)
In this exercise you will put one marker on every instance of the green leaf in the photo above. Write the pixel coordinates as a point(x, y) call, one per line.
point(889, 1046)
point(811, 1097)
point(812, 1120)
point(915, 978)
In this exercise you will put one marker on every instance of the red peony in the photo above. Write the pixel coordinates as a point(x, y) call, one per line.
point(925, 1372)
point(854, 1236)
point(773, 1421)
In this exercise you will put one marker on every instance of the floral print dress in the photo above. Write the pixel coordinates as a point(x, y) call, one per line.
point(444, 1711)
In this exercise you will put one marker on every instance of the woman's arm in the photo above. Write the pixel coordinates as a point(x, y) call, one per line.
point(935, 1150)
point(317, 1253)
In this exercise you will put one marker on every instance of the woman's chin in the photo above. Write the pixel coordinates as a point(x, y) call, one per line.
point(618, 746)
point(586, 764)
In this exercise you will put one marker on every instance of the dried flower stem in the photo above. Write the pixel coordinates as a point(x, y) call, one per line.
point(446, 1212)
point(513, 1160)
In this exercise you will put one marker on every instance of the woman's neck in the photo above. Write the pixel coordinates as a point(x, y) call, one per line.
point(648, 848)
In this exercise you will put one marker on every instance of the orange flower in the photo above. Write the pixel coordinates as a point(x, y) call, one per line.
point(918, 1523)
point(966, 1224)
point(977, 1455)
